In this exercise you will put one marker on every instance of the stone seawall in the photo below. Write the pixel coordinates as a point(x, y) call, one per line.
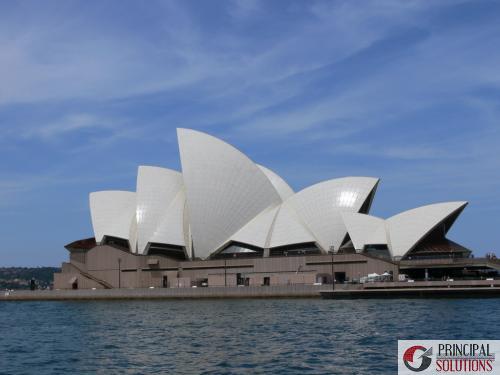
point(471, 292)
point(472, 288)
point(285, 291)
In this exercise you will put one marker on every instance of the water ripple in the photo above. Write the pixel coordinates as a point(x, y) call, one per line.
point(229, 336)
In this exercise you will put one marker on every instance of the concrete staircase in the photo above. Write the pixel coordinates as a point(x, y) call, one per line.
point(105, 284)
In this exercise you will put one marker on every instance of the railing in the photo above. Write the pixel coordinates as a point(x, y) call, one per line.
point(458, 261)
point(433, 284)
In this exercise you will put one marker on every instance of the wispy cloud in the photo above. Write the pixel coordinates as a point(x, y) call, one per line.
point(78, 60)
point(406, 91)
point(68, 124)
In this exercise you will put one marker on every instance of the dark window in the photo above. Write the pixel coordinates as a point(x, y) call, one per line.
point(170, 251)
point(340, 277)
point(120, 243)
point(379, 251)
point(239, 279)
point(307, 248)
point(239, 250)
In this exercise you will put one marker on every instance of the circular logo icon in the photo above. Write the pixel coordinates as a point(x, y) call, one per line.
point(415, 362)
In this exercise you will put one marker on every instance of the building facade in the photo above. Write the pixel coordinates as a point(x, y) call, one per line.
point(225, 220)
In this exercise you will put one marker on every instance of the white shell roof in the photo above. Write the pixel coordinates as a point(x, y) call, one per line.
point(170, 229)
point(112, 213)
point(156, 190)
point(283, 189)
point(223, 196)
point(133, 234)
point(409, 227)
point(365, 229)
point(257, 230)
point(288, 229)
point(224, 189)
point(320, 206)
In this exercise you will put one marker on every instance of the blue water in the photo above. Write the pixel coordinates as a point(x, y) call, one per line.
point(290, 336)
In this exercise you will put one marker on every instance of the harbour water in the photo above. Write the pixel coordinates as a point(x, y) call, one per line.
point(278, 336)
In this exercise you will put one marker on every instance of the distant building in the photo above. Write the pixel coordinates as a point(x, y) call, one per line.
point(226, 221)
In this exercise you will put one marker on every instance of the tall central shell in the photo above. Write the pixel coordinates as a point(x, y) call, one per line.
point(224, 189)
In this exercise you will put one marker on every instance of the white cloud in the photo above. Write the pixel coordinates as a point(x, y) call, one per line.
point(61, 56)
point(68, 124)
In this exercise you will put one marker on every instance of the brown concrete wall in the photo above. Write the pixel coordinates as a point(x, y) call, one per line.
point(137, 272)
point(106, 258)
point(62, 281)
point(203, 273)
point(77, 256)
point(130, 279)
point(355, 266)
point(281, 264)
point(67, 267)
point(180, 282)
point(151, 278)
point(256, 280)
point(283, 278)
point(302, 278)
point(219, 280)
point(102, 262)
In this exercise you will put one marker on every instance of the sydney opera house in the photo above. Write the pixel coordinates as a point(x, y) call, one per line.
point(225, 220)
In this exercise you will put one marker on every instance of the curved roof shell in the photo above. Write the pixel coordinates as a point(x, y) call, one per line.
point(288, 229)
point(133, 234)
point(283, 189)
point(112, 213)
point(157, 189)
point(320, 206)
point(256, 232)
point(408, 228)
point(222, 196)
point(170, 229)
point(224, 189)
point(365, 229)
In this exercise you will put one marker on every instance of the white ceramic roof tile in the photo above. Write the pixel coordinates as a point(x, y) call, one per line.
point(170, 229)
point(224, 189)
point(133, 234)
point(320, 206)
point(256, 231)
point(379, 236)
point(283, 189)
point(365, 229)
point(288, 229)
point(112, 213)
point(156, 190)
point(222, 196)
point(409, 227)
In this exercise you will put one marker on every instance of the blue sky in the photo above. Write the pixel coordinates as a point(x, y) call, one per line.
point(408, 91)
